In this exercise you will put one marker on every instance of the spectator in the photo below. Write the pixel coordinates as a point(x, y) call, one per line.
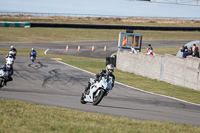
point(150, 50)
point(150, 47)
point(190, 51)
point(124, 41)
point(195, 51)
point(185, 51)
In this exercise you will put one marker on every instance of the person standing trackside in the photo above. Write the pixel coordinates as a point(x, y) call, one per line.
point(195, 51)
point(124, 41)
point(185, 51)
point(150, 50)
point(150, 47)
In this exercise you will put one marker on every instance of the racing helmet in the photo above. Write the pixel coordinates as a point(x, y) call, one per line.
point(8, 64)
point(11, 46)
point(32, 49)
point(110, 68)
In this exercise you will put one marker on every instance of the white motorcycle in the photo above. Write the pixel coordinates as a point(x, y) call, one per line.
point(97, 90)
point(3, 78)
point(13, 53)
point(11, 59)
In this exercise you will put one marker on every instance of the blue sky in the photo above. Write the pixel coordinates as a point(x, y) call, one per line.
point(101, 7)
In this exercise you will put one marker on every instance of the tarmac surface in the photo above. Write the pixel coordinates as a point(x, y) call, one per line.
point(86, 47)
point(49, 82)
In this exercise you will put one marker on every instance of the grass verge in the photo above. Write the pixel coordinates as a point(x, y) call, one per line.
point(18, 117)
point(70, 34)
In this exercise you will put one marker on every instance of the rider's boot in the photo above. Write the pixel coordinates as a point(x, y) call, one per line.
point(2, 84)
point(87, 88)
point(5, 83)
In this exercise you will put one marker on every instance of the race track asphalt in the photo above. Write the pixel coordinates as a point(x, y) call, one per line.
point(49, 82)
point(86, 47)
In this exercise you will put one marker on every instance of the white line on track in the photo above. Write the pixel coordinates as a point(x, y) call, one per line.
point(131, 86)
point(45, 52)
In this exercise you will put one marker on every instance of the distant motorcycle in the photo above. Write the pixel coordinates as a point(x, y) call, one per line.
point(97, 91)
point(33, 56)
point(13, 53)
point(11, 59)
point(3, 78)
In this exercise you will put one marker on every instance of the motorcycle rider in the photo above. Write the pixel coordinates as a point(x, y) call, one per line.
point(8, 68)
point(33, 53)
point(14, 51)
point(12, 48)
point(108, 72)
point(10, 55)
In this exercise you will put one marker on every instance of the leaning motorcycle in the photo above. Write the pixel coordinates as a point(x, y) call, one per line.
point(3, 78)
point(13, 53)
point(10, 59)
point(97, 91)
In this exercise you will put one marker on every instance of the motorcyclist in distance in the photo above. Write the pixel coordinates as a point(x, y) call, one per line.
point(33, 53)
point(14, 51)
point(108, 72)
point(10, 55)
point(8, 68)
point(12, 48)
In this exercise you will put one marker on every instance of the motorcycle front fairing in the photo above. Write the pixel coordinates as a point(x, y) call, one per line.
point(95, 87)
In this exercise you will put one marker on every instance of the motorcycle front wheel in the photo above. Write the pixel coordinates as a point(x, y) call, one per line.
point(99, 97)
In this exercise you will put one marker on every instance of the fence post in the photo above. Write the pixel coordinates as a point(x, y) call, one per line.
point(162, 67)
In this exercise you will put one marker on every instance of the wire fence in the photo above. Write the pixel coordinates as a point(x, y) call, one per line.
point(88, 15)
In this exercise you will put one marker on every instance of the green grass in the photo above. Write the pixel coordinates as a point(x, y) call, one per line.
point(18, 117)
point(69, 34)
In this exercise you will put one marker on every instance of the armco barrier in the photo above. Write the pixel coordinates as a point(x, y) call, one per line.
point(15, 24)
point(183, 72)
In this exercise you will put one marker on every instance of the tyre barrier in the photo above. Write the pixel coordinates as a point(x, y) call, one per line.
point(93, 26)
point(15, 24)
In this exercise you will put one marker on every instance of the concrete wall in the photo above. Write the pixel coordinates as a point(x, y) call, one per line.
point(175, 70)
